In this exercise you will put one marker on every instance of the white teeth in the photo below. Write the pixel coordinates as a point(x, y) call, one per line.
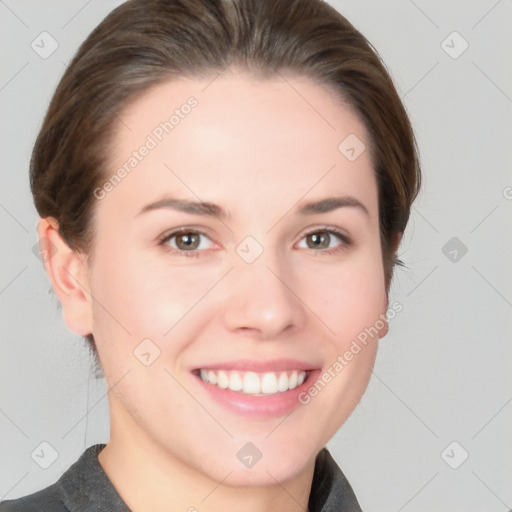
point(269, 383)
point(222, 380)
point(252, 383)
point(292, 381)
point(282, 384)
point(235, 382)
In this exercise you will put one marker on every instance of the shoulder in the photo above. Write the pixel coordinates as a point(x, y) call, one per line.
point(63, 494)
point(45, 500)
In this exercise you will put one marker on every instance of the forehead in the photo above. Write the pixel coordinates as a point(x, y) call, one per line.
point(235, 138)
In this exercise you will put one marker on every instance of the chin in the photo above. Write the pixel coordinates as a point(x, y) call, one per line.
point(261, 475)
point(264, 472)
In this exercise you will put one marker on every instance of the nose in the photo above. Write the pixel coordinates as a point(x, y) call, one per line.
point(263, 301)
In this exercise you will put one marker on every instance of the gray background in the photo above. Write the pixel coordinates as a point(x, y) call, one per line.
point(443, 374)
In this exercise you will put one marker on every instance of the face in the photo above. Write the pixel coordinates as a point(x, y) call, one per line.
point(257, 290)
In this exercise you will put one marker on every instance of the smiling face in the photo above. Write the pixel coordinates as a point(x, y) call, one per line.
point(262, 283)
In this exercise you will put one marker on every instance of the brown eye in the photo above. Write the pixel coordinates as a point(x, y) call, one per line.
point(187, 241)
point(327, 241)
point(319, 240)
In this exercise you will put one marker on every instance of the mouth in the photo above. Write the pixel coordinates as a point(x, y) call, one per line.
point(253, 383)
point(256, 389)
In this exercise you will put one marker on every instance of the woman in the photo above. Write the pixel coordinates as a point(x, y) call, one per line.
point(222, 188)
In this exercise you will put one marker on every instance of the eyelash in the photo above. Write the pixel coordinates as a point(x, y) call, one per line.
point(346, 241)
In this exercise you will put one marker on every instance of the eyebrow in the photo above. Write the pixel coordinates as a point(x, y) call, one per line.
point(214, 210)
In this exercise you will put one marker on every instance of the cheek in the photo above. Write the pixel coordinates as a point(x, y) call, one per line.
point(165, 298)
point(348, 297)
point(143, 298)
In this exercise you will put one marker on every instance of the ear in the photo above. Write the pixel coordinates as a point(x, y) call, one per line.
point(69, 275)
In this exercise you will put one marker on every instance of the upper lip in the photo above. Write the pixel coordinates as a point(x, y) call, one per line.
point(272, 365)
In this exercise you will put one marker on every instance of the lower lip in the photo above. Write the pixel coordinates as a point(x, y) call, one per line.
point(264, 406)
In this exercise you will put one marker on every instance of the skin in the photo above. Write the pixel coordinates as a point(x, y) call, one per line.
point(258, 149)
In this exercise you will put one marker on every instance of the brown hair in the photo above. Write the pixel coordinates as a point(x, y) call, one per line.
point(145, 42)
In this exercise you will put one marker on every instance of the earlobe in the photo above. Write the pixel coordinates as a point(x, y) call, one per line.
point(382, 323)
point(384, 326)
point(68, 274)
